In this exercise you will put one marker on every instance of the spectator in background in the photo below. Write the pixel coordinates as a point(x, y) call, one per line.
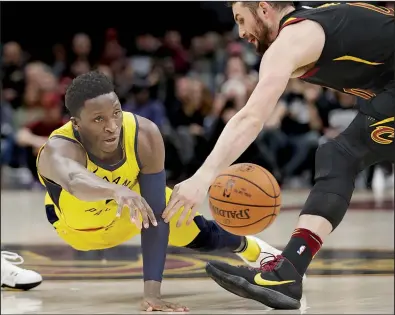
point(143, 55)
point(208, 59)
point(113, 51)
point(163, 77)
point(81, 58)
point(253, 154)
point(12, 74)
point(269, 138)
point(182, 86)
point(123, 78)
point(141, 103)
point(39, 79)
point(336, 112)
point(234, 85)
point(35, 134)
point(7, 133)
point(60, 60)
point(81, 46)
point(172, 47)
point(77, 68)
point(300, 130)
point(106, 70)
point(193, 103)
point(215, 47)
point(201, 67)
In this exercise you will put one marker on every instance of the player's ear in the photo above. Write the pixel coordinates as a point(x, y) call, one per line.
point(263, 6)
point(74, 122)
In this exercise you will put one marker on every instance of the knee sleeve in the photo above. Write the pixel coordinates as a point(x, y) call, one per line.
point(334, 183)
point(213, 237)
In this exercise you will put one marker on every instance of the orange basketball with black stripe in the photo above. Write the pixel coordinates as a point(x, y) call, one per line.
point(245, 199)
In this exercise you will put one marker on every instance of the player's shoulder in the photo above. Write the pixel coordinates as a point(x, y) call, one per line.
point(147, 130)
point(144, 126)
point(65, 131)
point(299, 36)
point(63, 146)
point(54, 149)
point(299, 30)
point(64, 138)
point(306, 37)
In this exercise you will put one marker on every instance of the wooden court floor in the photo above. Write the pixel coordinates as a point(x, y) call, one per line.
point(352, 274)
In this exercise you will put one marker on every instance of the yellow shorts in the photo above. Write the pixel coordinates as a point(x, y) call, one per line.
point(122, 230)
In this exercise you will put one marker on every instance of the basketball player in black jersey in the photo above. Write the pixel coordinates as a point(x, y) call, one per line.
point(347, 47)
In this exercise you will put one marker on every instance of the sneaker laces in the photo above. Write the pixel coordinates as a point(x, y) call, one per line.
point(13, 258)
point(268, 266)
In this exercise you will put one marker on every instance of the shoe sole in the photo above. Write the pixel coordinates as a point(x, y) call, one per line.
point(23, 287)
point(241, 287)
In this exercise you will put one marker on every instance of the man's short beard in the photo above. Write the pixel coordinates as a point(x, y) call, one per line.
point(263, 31)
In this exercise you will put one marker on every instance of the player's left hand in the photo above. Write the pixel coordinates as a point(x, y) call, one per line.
point(189, 194)
point(154, 304)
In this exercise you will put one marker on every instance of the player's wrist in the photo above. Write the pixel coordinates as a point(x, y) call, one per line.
point(152, 289)
point(113, 190)
point(206, 175)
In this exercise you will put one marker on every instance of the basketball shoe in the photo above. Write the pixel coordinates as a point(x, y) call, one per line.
point(15, 277)
point(276, 283)
point(257, 251)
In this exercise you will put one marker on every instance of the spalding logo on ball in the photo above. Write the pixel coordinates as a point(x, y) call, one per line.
point(245, 199)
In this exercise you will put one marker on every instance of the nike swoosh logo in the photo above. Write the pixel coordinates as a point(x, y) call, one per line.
point(109, 200)
point(258, 280)
point(94, 172)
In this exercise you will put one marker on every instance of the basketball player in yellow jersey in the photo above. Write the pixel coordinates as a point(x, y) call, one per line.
point(104, 170)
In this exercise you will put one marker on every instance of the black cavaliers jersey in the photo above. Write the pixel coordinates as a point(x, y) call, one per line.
point(358, 56)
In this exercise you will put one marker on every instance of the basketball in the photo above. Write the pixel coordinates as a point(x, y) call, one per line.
point(245, 199)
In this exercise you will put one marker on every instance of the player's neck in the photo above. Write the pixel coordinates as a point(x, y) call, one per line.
point(286, 11)
point(103, 157)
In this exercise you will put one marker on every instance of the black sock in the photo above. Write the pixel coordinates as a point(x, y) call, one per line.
point(301, 249)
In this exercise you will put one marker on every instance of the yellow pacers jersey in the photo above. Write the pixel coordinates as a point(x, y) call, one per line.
point(83, 215)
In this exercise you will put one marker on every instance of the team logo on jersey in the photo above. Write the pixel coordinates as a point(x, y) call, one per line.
point(383, 134)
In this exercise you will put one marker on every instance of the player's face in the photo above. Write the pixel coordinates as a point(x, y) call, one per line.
point(100, 123)
point(259, 27)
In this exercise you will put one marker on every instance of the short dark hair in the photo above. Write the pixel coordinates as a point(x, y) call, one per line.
point(253, 5)
point(85, 87)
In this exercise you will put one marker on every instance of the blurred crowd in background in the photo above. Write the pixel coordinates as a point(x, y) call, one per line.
point(190, 91)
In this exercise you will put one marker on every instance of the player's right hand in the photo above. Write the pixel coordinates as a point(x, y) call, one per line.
point(156, 304)
point(125, 197)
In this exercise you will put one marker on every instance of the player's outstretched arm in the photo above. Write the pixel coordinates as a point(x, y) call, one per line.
point(64, 163)
point(154, 240)
point(297, 46)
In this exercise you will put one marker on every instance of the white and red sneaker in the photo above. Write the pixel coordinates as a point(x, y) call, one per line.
point(16, 277)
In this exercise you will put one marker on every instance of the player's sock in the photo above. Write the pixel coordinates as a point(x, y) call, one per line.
point(250, 250)
point(302, 248)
